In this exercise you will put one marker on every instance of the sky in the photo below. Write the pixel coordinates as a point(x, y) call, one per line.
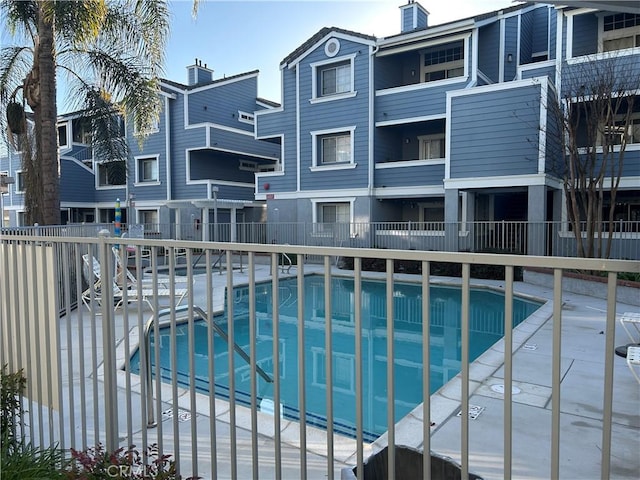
point(239, 36)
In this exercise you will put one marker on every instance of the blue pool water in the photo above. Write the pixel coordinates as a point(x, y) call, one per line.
point(486, 327)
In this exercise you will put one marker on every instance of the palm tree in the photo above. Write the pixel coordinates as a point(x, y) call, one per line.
point(111, 53)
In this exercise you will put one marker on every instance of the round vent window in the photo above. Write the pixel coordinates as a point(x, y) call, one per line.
point(332, 47)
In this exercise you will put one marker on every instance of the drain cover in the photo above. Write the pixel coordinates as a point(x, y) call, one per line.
point(499, 388)
point(474, 411)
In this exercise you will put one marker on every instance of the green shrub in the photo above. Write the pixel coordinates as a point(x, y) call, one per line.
point(11, 387)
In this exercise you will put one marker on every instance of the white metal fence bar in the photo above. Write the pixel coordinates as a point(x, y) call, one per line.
point(103, 422)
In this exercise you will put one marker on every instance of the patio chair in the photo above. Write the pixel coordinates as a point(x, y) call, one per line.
point(93, 273)
point(629, 319)
point(633, 360)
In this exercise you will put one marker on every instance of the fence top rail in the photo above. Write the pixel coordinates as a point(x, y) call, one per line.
point(594, 264)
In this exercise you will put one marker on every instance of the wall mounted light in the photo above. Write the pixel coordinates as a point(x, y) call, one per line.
point(407, 140)
point(509, 57)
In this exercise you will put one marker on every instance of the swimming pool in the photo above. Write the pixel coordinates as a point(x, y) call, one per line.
point(486, 327)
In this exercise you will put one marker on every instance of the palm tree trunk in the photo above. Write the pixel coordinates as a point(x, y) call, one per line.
point(40, 91)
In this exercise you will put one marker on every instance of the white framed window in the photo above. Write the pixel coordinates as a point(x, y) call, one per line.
point(4, 189)
point(442, 62)
point(149, 218)
point(333, 218)
point(620, 31)
point(147, 170)
point(246, 117)
point(332, 148)
point(81, 131)
point(432, 210)
point(333, 79)
point(19, 188)
point(335, 148)
point(63, 139)
point(620, 129)
point(111, 174)
point(432, 146)
point(343, 370)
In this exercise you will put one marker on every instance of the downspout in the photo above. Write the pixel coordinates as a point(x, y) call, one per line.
point(372, 94)
point(167, 145)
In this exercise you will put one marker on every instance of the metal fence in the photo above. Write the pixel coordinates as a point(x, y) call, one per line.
point(545, 238)
point(81, 389)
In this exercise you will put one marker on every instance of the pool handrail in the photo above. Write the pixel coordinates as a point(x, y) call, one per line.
point(146, 358)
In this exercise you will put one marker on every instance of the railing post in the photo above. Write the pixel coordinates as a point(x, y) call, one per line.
point(108, 345)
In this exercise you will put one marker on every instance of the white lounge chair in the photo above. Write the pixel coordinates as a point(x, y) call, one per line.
point(128, 292)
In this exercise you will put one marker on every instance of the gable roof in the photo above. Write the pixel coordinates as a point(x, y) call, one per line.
point(319, 36)
point(182, 86)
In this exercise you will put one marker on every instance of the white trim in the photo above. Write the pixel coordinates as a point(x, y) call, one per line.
point(337, 166)
point(330, 98)
point(517, 55)
point(79, 163)
point(371, 122)
point(327, 46)
point(337, 131)
point(422, 85)
point(501, 51)
point(167, 147)
point(17, 174)
point(403, 121)
point(603, 55)
point(321, 195)
point(526, 82)
point(318, 66)
point(215, 181)
point(430, 35)
point(559, 43)
point(319, 201)
point(498, 181)
point(298, 139)
point(67, 126)
point(350, 38)
point(631, 147)
point(544, 111)
point(251, 118)
point(474, 53)
point(138, 182)
point(218, 126)
point(405, 192)
point(534, 66)
point(410, 163)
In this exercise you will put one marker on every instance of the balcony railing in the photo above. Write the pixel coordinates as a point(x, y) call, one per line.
point(543, 238)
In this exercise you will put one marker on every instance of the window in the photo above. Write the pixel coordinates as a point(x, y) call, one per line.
point(431, 146)
point(147, 170)
point(19, 181)
point(245, 117)
point(335, 148)
point(443, 61)
point(334, 219)
point(112, 173)
point(4, 188)
point(335, 79)
point(432, 211)
point(620, 31)
point(81, 131)
point(617, 131)
point(149, 218)
point(62, 136)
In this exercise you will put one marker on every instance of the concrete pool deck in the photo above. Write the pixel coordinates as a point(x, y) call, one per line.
point(581, 403)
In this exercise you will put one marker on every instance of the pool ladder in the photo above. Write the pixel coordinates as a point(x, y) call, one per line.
point(146, 364)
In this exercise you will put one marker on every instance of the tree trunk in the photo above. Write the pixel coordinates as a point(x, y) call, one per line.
point(46, 112)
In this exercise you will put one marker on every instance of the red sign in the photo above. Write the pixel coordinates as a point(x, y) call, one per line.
point(270, 196)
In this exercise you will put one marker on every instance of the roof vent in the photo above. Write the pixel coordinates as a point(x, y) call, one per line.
point(413, 17)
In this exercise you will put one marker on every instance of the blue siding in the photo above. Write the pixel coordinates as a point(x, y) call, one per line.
point(422, 19)
point(429, 100)
point(410, 176)
point(585, 34)
point(553, 27)
point(544, 71)
point(489, 45)
point(77, 184)
point(335, 114)
point(495, 133)
point(526, 37)
point(540, 32)
point(407, 19)
point(220, 104)
point(580, 75)
point(110, 195)
point(510, 46)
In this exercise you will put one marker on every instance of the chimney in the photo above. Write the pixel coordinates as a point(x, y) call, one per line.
point(413, 17)
point(198, 73)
